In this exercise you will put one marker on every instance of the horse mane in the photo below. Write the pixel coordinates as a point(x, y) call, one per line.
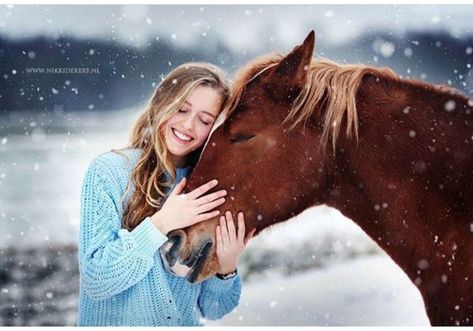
point(328, 82)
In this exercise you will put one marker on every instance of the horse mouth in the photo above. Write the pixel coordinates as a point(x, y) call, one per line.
point(199, 262)
point(190, 267)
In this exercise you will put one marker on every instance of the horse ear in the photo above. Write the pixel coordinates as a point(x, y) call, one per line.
point(288, 77)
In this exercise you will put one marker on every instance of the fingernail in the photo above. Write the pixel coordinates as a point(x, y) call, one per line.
point(215, 181)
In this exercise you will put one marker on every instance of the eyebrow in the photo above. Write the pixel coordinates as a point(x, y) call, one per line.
point(204, 111)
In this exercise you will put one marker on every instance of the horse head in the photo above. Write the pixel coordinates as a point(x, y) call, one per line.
point(270, 171)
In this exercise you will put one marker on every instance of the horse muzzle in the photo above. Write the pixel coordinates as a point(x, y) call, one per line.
point(182, 261)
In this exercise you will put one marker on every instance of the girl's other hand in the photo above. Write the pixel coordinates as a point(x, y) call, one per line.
point(230, 243)
point(182, 210)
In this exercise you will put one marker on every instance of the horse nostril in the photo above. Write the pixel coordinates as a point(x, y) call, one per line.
point(172, 246)
point(175, 238)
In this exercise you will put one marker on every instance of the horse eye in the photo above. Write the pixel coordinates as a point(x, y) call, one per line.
point(240, 138)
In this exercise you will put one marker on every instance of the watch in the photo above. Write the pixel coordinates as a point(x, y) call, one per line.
point(227, 276)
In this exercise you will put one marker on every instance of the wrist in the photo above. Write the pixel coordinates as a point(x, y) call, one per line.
point(158, 222)
point(227, 275)
point(227, 270)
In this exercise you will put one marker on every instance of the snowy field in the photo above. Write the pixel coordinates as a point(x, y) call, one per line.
point(367, 291)
point(327, 271)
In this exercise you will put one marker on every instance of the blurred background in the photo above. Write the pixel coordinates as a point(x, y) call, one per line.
point(74, 78)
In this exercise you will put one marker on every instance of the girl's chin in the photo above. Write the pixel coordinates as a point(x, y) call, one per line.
point(179, 147)
point(180, 152)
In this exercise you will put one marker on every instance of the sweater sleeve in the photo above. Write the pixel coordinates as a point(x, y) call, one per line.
point(219, 297)
point(111, 259)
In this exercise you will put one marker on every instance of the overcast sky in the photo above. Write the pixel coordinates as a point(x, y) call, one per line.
point(241, 27)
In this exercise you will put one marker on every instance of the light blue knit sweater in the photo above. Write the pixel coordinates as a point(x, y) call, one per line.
point(122, 278)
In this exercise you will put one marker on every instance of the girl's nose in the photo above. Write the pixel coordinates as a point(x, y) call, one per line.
point(189, 123)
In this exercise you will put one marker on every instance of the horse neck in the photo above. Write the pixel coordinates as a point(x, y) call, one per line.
point(382, 189)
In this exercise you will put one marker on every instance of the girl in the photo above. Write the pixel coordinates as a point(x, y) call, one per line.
point(129, 203)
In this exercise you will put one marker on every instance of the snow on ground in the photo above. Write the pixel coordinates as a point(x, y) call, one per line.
point(367, 291)
point(320, 268)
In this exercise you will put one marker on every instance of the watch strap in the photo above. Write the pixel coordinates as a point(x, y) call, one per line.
point(227, 276)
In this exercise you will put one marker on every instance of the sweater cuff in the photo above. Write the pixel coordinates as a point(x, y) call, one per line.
point(148, 238)
point(217, 285)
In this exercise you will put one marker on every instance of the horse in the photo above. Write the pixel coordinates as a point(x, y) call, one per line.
point(394, 155)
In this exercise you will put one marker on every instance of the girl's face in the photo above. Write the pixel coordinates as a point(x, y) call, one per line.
point(189, 127)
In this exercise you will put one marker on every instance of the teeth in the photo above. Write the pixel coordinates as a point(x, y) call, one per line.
point(182, 135)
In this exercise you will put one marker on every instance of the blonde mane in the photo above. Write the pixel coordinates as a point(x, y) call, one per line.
point(328, 83)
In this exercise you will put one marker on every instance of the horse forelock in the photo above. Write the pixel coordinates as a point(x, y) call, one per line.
point(246, 74)
point(218, 122)
point(328, 82)
point(243, 77)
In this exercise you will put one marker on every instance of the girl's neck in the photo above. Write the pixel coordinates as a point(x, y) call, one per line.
point(179, 161)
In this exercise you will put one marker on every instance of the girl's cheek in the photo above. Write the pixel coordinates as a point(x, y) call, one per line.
point(203, 137)
point(203, 132)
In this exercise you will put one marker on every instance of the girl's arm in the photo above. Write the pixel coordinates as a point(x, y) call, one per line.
point(111, 259)
point(219, 297)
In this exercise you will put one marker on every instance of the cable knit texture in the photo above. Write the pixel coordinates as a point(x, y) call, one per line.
point(122, 277)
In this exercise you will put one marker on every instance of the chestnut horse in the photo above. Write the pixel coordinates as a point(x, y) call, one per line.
point(403, 170)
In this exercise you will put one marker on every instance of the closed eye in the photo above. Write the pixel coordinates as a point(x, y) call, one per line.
point(240, 138)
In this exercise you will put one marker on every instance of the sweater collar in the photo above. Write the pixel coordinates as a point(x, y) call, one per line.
point(182, 172)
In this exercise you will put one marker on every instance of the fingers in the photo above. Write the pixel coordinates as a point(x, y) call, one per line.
point(218, 236)
point(231, 227)
point(179, 187)
point(241, 227)
point(210, 206)
point(210, 197)
point(206, 216)
point(202, 189)
point(249, 236)
point(224, 230)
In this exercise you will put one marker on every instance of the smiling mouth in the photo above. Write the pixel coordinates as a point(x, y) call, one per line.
point(181, 137)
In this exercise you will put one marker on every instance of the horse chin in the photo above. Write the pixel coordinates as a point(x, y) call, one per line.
point(190, 273)
point(180, 270)
point(190, 270)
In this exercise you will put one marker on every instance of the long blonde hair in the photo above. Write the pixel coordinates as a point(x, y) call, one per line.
point(148, 175)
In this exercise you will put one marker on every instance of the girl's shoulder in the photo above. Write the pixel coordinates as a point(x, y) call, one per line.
point(115, 163)
point(118, 157)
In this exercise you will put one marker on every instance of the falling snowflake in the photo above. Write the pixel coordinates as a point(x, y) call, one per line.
point(450, 105)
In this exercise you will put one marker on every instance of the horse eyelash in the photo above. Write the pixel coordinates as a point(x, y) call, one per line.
point(239, 138)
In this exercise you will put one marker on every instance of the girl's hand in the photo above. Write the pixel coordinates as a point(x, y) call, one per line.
point(182, 210)
point(230, 244)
